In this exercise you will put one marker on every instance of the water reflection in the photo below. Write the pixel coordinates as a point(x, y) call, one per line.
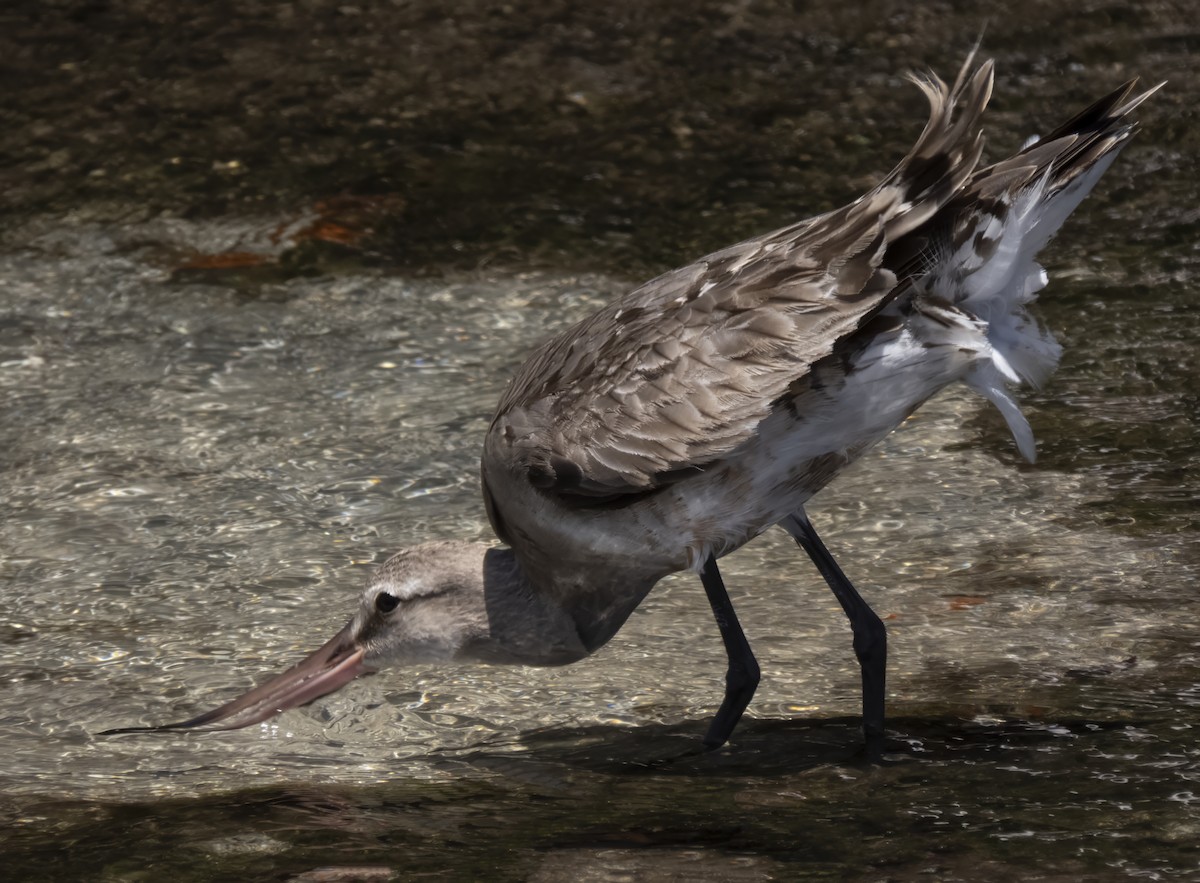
point(178, 557)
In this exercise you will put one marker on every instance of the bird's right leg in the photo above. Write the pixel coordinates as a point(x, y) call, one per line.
point(870, 634)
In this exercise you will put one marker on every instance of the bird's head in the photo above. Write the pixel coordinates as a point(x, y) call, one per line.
point(423, 605)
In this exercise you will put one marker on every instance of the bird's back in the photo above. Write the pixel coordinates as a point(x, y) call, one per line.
point(709, 403)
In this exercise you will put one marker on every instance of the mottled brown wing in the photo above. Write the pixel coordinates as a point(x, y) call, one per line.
point(682, 370)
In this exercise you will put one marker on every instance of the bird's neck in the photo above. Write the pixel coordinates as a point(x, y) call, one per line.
point(551, 618)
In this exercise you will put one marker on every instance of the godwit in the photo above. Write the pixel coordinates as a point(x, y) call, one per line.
point(690, 415)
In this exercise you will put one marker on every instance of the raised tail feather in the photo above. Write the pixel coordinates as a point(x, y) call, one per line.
point(980, 248)
point(947, 151)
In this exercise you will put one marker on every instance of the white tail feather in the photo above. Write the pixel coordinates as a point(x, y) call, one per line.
point(984, 379)
point(996, 287)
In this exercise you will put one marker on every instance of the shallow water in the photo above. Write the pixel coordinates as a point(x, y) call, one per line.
point(203, 458)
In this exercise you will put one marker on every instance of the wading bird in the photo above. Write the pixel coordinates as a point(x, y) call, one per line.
point(693, 413)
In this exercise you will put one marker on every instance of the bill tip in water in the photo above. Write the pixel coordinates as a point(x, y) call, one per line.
point(331, 667)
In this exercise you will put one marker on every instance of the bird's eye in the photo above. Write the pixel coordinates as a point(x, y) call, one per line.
point(386, 603)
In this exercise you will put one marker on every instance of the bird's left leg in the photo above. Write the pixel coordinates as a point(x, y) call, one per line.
point(741, 679)
point(870, 634)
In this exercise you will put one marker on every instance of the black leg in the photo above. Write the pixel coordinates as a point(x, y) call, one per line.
point(741, 680)
point(870, 635)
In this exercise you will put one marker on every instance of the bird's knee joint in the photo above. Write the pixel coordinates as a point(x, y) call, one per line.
point(870, 646)
point(741, 677)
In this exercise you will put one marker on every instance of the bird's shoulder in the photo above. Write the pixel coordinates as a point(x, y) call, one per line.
point(681, 370)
